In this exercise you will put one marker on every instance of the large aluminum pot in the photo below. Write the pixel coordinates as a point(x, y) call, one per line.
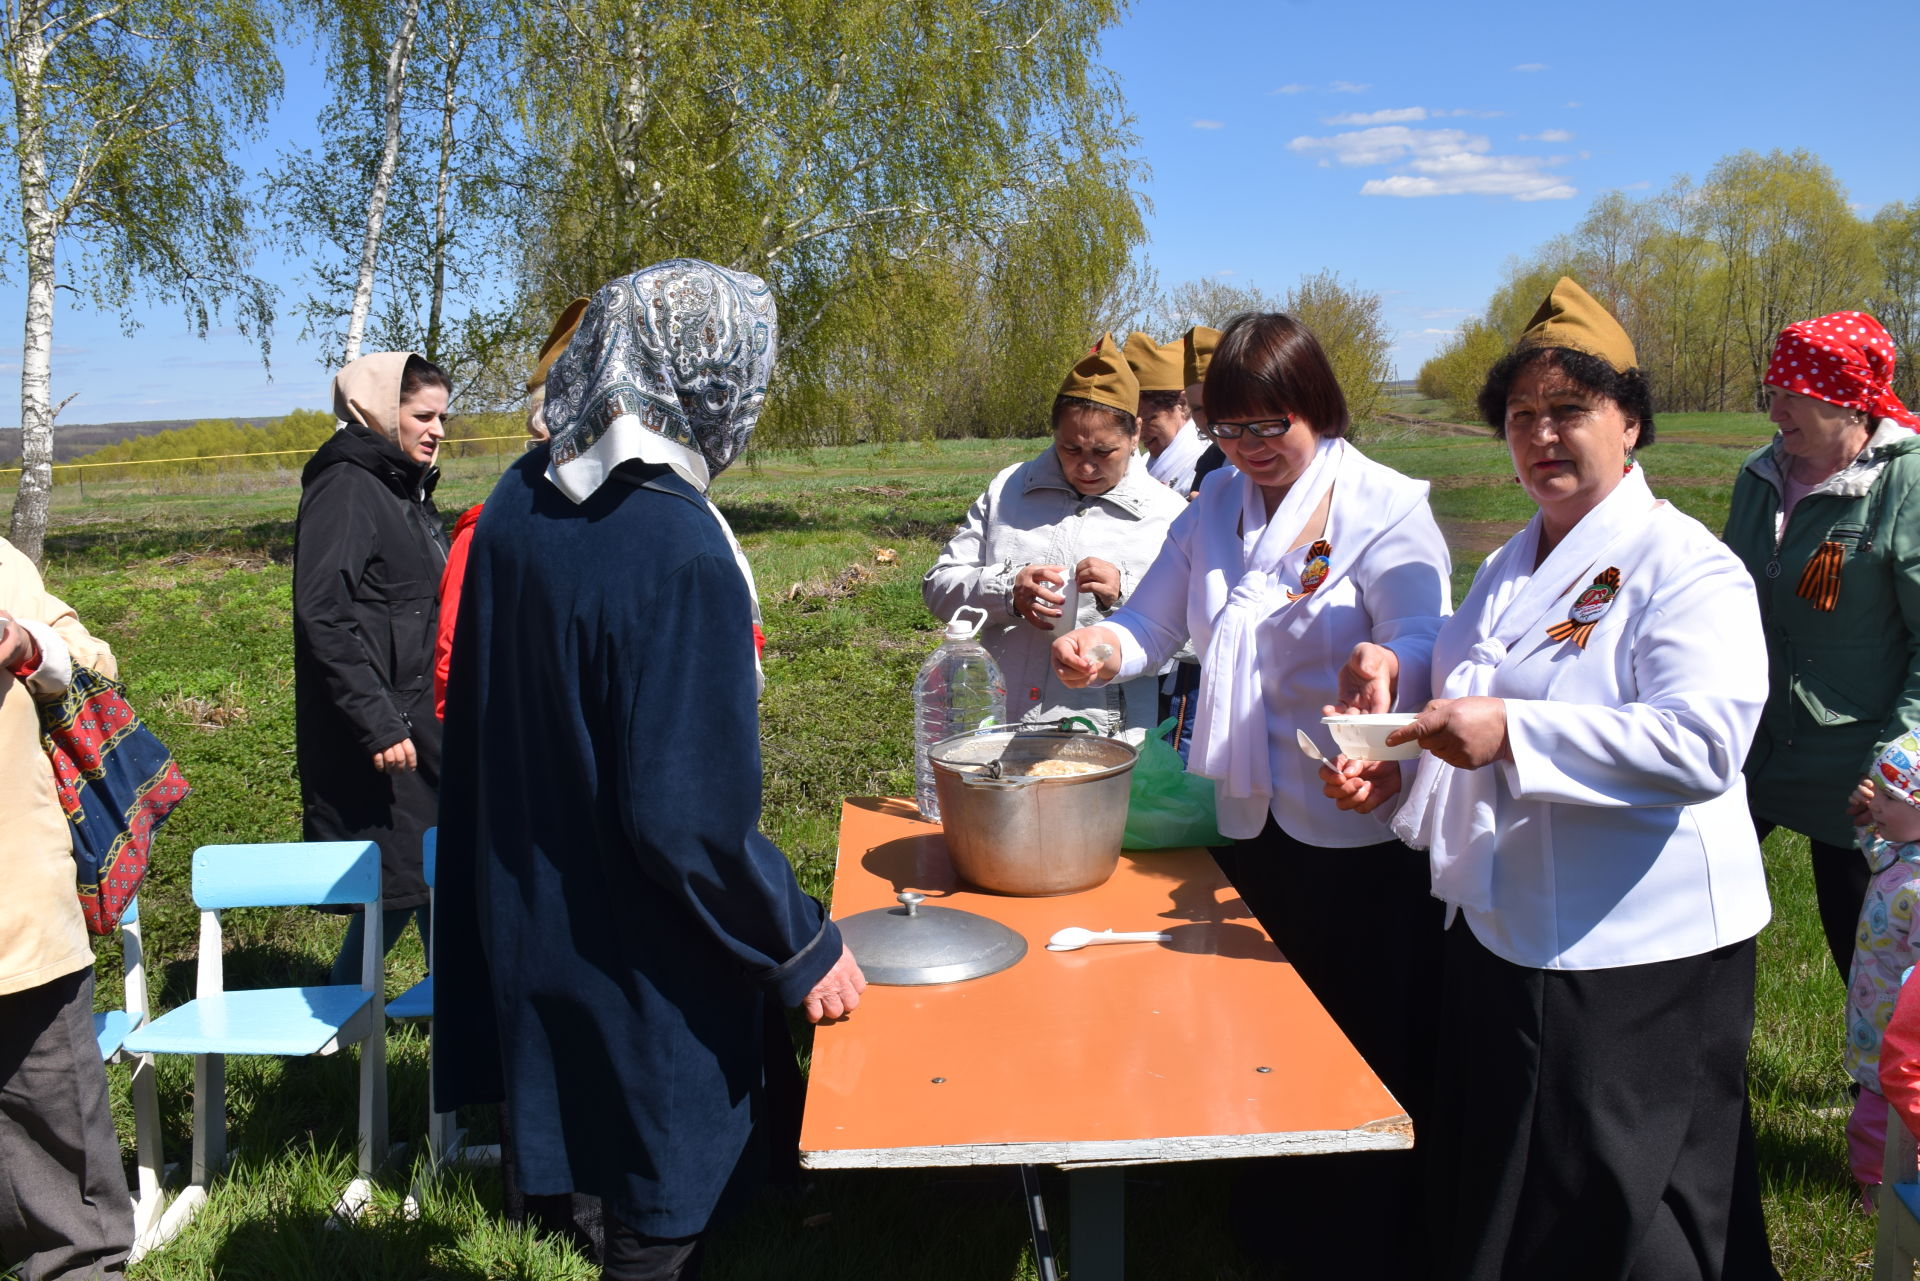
point(1017, 834)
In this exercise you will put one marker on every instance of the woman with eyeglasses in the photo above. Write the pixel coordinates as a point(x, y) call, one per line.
point(1306, 574)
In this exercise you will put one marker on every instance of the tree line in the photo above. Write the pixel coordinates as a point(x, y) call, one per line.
point(944, 203)
point(1705, 275)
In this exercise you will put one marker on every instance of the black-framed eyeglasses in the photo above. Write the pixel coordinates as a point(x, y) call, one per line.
point(1265, 428)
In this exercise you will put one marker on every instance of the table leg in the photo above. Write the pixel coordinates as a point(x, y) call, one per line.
point(1098, 1230)
point(1044, 1260)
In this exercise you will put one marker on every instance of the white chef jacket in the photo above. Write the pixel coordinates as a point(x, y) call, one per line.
point(1623, 833)
point(1388, 583)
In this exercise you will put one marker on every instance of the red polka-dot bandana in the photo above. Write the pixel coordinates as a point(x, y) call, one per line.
point(1845, 358)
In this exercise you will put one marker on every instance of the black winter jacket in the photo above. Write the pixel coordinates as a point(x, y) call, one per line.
point(368, 551)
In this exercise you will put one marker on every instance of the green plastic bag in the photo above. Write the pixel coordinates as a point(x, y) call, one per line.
point(1168, 808)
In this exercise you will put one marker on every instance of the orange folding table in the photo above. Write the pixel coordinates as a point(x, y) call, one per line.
point(1205, 1046)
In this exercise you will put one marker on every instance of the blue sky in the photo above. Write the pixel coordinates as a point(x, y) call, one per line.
point(1412, 147)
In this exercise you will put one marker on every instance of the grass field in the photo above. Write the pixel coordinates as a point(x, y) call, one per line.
point(192, 587)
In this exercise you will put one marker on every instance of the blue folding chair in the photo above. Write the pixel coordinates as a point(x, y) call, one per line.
point(111, 1028)
point(289, 1021)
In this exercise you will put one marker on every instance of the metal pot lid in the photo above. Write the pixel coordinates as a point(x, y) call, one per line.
point(913, 946)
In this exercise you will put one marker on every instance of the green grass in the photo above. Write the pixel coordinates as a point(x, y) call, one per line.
point(191, 584)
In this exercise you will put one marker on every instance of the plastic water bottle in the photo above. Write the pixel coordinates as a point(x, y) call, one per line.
point(959, 688)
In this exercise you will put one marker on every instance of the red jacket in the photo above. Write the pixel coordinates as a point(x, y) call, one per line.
point(450, 579)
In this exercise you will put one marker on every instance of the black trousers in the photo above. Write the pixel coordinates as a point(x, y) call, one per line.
point(634, 1256)
point(1840, 879)
point(1593, 1125)
point(1362, 929)
point(64, 1210)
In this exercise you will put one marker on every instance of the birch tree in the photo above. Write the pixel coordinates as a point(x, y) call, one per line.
point(850, 151)
point(123, 115)
point(398, 213)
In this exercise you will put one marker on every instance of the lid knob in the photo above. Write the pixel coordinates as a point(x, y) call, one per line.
point(913, 900)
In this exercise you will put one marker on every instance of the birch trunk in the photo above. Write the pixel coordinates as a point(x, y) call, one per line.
point(448, 103)
point(382, 181)
point(40, 227)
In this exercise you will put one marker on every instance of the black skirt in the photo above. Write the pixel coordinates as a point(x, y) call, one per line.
point(1362, 929)
point(1593, 1123)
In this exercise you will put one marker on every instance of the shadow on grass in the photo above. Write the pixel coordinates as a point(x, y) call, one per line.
point(113, 547)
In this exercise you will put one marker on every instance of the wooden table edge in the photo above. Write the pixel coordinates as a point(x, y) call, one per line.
point(1392, 1134)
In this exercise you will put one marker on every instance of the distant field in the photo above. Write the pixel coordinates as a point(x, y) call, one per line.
point(191, 584)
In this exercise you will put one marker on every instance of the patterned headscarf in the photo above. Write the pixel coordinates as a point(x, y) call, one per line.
point(669, 366)
point(1845, 358)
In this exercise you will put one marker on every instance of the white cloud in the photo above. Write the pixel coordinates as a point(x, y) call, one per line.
point(1446, 333)
point(1572, 106)
point(1391, 116)
point(1294, 89)
point(1474, 112)
point(1531, 66)
point(1389, 143)
point(1347, 86)
point(1207, 124)
point(1547, 135)
point(1517, 186)
point(1437, 162)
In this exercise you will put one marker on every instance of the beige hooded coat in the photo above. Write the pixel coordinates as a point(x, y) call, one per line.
point(42, 936)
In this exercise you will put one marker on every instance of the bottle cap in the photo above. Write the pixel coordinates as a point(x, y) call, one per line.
point(958, 628)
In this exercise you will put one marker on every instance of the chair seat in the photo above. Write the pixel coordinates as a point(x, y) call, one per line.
point(414, 1003)
point(1909, 1194)
point(111, 1029)
point(283, 1020)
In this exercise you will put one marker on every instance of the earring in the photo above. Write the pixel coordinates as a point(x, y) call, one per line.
point(1629, 463)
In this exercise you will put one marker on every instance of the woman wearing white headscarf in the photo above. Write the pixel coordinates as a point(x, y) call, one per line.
point(626, 937)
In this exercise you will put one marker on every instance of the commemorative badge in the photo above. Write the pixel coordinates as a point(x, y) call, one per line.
point(1314, 572)
point(1588, 609)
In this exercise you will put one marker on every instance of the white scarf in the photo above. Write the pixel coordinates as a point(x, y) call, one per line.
point(1450, 812)
point(1177, 460)
point(1230, 736)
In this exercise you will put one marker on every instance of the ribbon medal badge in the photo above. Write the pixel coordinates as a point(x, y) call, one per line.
point(1588, 609)
point(1314, 572)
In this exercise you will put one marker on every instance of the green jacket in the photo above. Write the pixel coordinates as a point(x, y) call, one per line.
point(1843, 682)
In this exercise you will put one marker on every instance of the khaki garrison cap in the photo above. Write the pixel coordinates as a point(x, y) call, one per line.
point(1105, 378)
point(1571, 318)
point(557, 340)
point(1199, 343)
point(1156, 367)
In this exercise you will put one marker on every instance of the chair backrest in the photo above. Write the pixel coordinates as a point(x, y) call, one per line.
point(289, 874)
point(429, 852)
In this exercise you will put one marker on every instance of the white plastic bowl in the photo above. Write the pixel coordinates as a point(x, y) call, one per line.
point(1364, 738)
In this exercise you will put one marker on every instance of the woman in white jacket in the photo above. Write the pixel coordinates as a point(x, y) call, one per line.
point(1305, 556)
point(1070, 531)
point(1582, 805)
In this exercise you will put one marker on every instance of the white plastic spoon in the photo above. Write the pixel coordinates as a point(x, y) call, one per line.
point(1073, 938)
point(1306, 745)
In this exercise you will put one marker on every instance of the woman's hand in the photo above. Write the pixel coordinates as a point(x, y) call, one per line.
point(16, 642)
point(1103, 580)
point(1074, 664)
point(1368, 682)
point(1034, 597)
point(398, 759)
point(1857, 800)
point(1464, 732)
point(837, 994)
point(1361, 786)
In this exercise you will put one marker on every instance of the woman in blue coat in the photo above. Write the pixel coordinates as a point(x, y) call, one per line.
point(615, 931)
